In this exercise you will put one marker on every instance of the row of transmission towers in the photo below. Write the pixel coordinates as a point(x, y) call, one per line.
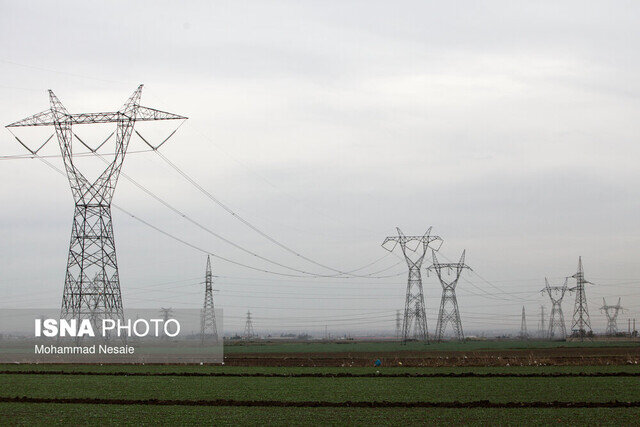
point(581, 324)
point(414, 322)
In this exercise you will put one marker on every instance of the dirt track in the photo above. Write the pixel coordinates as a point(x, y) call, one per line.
point(528, 357)
point(322, 404)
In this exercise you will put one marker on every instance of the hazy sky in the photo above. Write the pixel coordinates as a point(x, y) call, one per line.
point(510, 127)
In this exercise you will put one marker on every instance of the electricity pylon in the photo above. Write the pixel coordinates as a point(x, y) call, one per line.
point(523, 326)
point(414, 308)
point(208, 321)
point(542, 331)
point(248, 328)
point(92, 284)
point(611, 311)
point(398, 324)
point(556, 321)
point(581, 326)
point(166, 314)
point(449, 313)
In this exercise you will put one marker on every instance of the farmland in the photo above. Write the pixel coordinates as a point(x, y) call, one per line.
point(600, 392)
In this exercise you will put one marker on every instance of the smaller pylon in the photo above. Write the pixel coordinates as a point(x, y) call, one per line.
point(557, 328)
point(611, 311)
point(449, 313)
point(208, 327)
point(523, 326)
point(542, 332)
point(581, 326)
point(166, 314)
point(249, 334)
point(398, 324)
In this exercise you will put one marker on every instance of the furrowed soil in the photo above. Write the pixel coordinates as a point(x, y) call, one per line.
point(559, 356)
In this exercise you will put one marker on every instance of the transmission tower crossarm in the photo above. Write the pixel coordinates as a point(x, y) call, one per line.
point(48, 118)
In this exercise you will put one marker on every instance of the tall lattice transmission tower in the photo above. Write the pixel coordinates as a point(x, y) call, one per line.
point(449, 313)
point(557, 327)
point(414, 308)
point(208, 329)
point(248, 328)
point(398, 324)
point(523, 326)
point(92, 283)
point(611, 311)
point(581, 326)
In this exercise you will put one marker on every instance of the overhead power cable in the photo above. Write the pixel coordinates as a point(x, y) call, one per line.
point(191, 245)
point(237, 216)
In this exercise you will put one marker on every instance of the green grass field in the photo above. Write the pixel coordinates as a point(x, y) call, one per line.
point(598, 389)
point(122, 397)
point(325, 389)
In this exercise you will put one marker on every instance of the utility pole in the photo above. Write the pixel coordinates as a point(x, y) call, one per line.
point(92, 284)
point(611, 311)
point(449, 313)
point(523, 326)
point(542, 331)
point(556, 322)
point(249, 334)
point(166, 314)
point(208, 325)
point(414, 307)
point(581, 326)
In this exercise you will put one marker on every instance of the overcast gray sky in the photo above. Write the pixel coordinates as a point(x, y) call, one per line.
point(510, 127)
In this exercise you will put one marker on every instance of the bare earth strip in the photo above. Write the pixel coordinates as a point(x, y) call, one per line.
point(329, 375)
point(567, 356)
point(320, 404)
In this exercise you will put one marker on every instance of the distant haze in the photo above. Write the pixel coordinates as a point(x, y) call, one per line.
point(510, 127)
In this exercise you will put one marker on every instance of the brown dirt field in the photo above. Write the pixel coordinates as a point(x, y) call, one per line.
point(320, 404)
point(524, 357)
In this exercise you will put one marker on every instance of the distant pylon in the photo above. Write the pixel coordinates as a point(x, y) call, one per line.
point(542, 332)
point(414, 308)
point(523, 326)
point(248, 328)
point(611, 311)
point(208, 325)
point(581, 326)
point(556, 321)
point(449, 313)
point(166, 314)
point(399, 324)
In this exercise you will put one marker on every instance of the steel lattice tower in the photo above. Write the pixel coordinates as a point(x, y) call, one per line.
point(449, 313)
point(542, 332)
point(523, 326)
point(248, 328)
point(92, 284)
point(398, 324)
point(581, 326)
point(166, 314)
point(414, 308)
point(612, 311)
point(208, 321)
point(556, 321)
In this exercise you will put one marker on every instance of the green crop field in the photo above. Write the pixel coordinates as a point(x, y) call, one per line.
point(121, 398)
